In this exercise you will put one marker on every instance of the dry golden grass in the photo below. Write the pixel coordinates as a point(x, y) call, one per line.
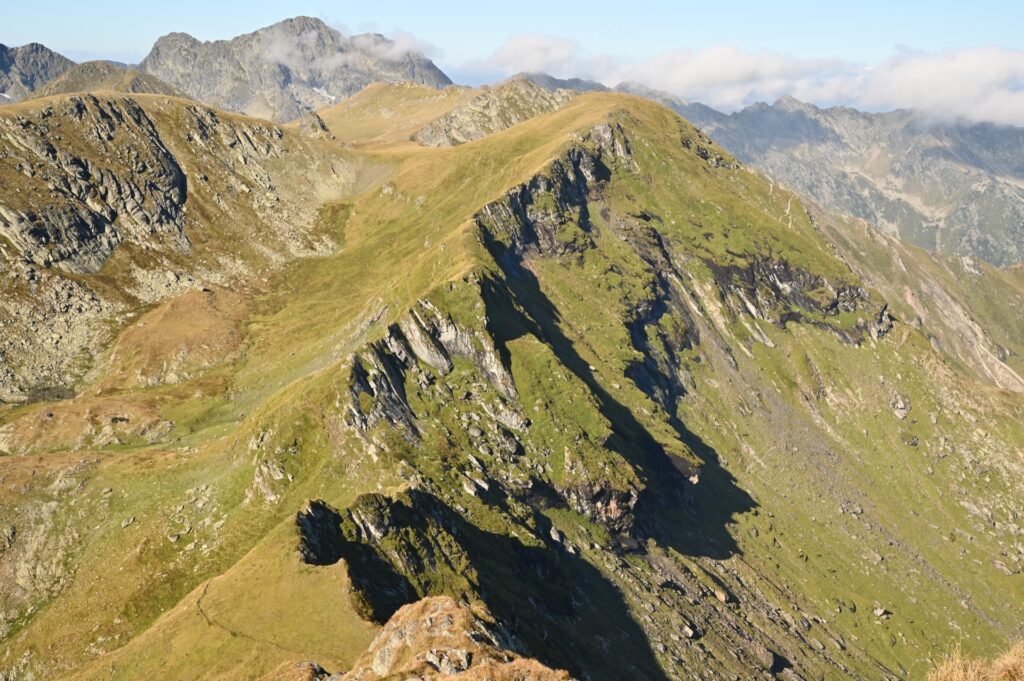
point(176, 339)
point(957, 667)
point(388, 113)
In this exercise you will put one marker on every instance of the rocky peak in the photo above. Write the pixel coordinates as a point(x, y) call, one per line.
point(26, 68)
point(790, 103)
point(286, 69)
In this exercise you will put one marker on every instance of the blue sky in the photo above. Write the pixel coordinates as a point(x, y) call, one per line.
point(867, 53)
point(861, 31)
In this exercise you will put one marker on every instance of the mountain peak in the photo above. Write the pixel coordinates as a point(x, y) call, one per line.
point(302, 21)
point(549, 82)
point(790, 103)
point(286, 69)
point(24, 69)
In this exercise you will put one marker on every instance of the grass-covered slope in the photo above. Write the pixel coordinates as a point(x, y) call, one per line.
point(587, 373)
point(98, 76)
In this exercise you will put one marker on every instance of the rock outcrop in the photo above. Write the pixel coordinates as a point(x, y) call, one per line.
point(439, 638)
point(282, 71)
point(126, 186)
point(396, 549)
point(427, 336)
point(495, 108)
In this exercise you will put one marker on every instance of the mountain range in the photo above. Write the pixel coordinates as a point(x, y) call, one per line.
point(951, 187)
point(284, 70)
point(510, 382)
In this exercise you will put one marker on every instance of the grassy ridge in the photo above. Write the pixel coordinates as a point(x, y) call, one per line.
point(813, 504)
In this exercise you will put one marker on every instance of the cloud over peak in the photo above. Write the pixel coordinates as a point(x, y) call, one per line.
point(980, 84)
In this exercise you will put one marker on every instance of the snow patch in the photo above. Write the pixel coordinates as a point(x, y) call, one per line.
point(5, 95)
point(325, 93)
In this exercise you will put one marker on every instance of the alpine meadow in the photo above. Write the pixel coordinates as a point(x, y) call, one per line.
point(317, 366)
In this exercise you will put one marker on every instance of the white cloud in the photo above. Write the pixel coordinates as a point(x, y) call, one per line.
point(398, 46)
point(306, 50)
point(728, 77)
point(979, 84)
point(985, 84)
point(557, 56)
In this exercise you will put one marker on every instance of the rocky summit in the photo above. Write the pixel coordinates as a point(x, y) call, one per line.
point(284, 70)
point(26, 68)
point(480, 383)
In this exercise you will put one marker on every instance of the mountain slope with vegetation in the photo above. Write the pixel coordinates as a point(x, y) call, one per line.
point(608, 399)
point(952, 187)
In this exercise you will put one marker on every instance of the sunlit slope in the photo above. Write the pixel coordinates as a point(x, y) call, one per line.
point(515, 366)
point(384, 112)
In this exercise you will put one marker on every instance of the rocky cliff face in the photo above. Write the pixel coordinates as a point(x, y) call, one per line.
point(282, 71)
point(87, 176)
point(136, 192)
point(25, 69)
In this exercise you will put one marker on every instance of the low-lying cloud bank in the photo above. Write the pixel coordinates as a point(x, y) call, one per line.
point(984, 84)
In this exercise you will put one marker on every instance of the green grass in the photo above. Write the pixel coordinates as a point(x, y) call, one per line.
point(787, 434)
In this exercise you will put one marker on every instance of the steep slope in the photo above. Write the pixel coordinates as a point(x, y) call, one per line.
point(282, 71)
point(95, 76)
point(586, 376)
point(971, 310)
point(24, 69)
point(150, 196)
point(955, 188)
point(950, 187)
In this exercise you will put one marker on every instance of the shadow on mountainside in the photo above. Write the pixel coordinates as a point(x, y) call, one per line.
point(692, 519)
point(563, 610)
